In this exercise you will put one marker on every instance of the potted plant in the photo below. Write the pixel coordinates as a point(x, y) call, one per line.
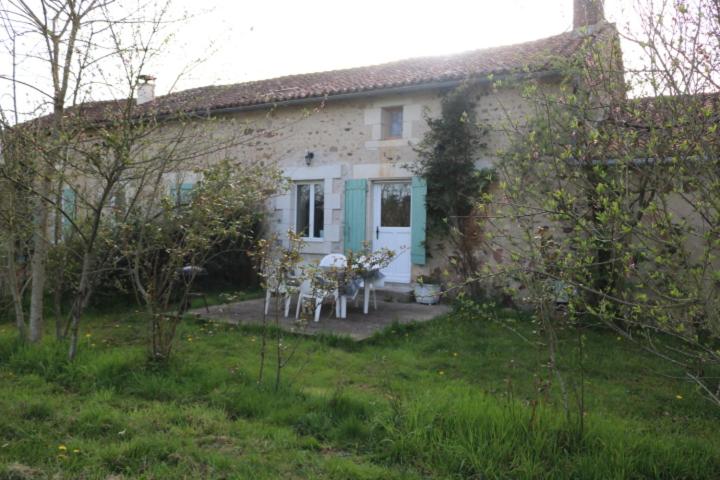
point(427, 289)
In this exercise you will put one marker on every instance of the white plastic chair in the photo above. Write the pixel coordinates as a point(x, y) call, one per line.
point(318, 293)
point(334, 260)
point(372, 286)
point(314, 292)
point(282, 290)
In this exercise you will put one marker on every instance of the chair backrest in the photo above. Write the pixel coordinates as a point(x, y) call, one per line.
point(305, 287)
point(334, 260)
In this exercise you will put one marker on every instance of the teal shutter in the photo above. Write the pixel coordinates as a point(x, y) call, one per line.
point(418, 220)
point(181, 194)
point(68, 206)
point(355, 205)
point(185, 193)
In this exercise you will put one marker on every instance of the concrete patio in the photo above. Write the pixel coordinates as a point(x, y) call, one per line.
point(356, 326)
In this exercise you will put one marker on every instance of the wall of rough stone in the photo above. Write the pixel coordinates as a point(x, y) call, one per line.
point(345, 137)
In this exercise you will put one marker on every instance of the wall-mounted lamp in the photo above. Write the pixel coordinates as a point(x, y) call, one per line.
point(308, 158)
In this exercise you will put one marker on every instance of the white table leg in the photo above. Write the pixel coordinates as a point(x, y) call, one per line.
point(318, 307)
point(288, 298)
point(343, 306)
point(366, 297)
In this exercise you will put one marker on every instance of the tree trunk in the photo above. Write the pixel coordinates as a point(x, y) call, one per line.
point(59, 280)
point(57, 304)
point(15, 290)
point(80, 302)
point(39, 263)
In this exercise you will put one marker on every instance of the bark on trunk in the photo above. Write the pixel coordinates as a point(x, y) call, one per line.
point(59, 279)
point(15, 291)
point(39, 263)
point(80, 303)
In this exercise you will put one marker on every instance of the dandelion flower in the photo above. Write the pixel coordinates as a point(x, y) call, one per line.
point(62, 448)
point(679, 397)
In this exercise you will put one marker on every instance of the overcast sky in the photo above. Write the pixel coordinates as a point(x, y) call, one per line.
point(243, 40)
point(263, 39)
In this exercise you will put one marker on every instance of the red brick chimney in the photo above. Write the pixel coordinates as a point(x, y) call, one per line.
point(587, 13)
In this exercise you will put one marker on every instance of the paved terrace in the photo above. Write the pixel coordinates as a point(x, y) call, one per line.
point(356, 326)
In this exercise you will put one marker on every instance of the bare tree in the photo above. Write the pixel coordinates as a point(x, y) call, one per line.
point(62, 28)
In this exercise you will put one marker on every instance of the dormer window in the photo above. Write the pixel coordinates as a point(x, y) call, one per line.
point(392, 122)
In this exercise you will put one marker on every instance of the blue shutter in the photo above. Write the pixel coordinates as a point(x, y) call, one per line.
point(68, 206)
point(418, 220)
point(355, 208)
point(181, 194)
point(186, 193)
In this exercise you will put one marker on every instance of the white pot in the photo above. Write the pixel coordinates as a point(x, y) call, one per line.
point(427, 293)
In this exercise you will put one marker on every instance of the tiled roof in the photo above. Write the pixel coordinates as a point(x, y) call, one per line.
point(534, 56)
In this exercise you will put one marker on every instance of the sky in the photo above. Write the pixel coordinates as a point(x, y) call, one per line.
point(253, 40)
point(223, 41)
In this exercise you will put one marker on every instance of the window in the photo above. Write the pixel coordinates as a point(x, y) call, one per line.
point(395, 205)
point(392, 122)
point(69, 207)
point(310, 215)
point(181, 194)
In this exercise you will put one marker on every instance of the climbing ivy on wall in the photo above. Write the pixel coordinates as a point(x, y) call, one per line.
point(447, 157)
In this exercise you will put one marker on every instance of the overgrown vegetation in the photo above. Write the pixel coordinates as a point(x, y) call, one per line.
point(448, 157)
point(612, 206)
point(455, 398)
point(110, 181)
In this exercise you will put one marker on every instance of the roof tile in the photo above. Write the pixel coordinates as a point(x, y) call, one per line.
point(534, 56)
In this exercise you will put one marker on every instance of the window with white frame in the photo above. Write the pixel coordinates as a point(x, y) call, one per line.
point(309, 209)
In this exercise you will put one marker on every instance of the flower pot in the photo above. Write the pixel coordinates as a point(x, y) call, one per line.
point(427, 293)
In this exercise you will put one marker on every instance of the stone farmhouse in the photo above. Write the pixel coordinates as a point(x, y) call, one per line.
point(347, 160)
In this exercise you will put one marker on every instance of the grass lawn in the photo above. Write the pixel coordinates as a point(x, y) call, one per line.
point(453, 398)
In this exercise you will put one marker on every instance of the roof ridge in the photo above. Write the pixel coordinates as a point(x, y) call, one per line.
point(529, 57)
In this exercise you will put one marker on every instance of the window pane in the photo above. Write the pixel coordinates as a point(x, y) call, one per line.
point(396, 123)
point(302, 220)
point(319, 211)
point(395, 205)
point(392, 122)
point(185, 194)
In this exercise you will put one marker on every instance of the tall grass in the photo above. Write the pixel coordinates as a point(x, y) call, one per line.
point(463, 433)
point(376, 410)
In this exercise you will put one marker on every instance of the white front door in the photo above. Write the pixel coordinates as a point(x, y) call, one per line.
point(391, 227)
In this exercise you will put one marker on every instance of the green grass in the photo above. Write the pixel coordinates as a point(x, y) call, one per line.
point(453, 398)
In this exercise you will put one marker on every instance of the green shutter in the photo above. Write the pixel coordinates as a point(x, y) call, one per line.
point(186, 193)
point(418, 220)
point(68, 205)
point(355, 201)
point(181, 194)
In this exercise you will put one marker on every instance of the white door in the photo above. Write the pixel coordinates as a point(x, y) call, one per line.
point(391, 227)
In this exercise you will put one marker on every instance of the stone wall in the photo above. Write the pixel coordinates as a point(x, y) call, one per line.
point(345, 138)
